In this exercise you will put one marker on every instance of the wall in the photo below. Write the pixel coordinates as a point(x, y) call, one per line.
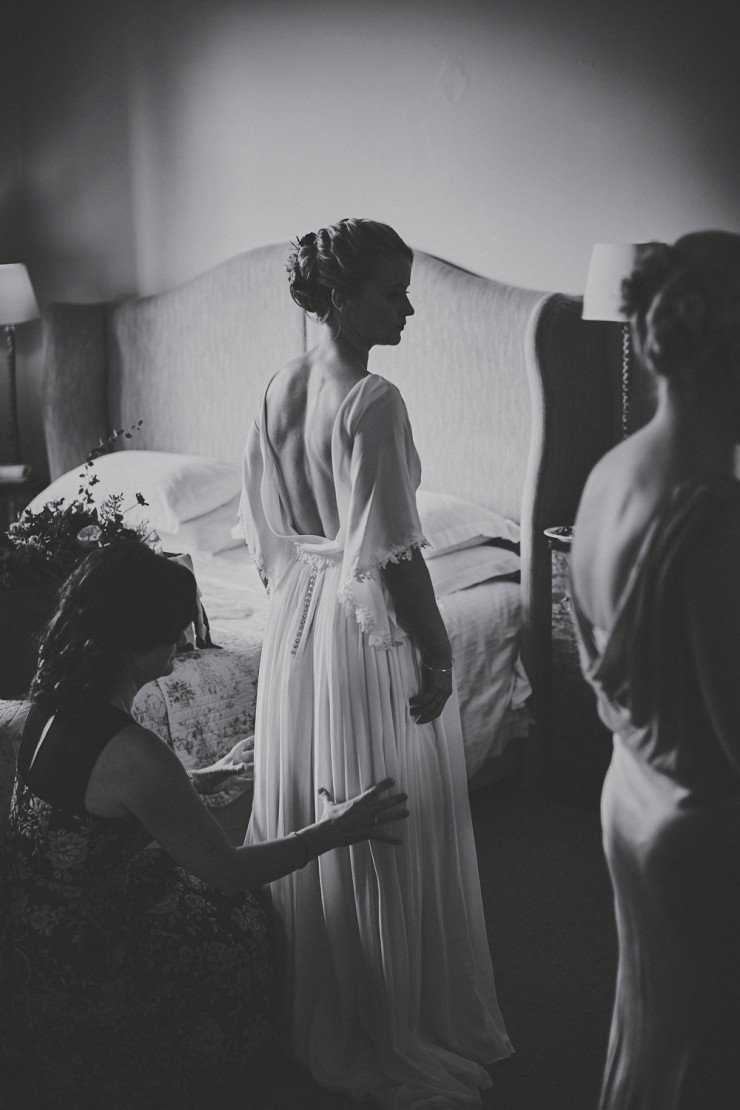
point(161, 136)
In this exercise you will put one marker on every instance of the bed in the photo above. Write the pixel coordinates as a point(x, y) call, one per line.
point(512, 399)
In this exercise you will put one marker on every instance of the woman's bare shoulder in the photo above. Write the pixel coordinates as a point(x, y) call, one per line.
point(136, 746)
point(600, 492)
point(292, 375)
point(616, 508)
point(286, 393)
point(133, 761)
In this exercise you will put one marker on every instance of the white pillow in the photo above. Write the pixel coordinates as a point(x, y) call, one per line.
point(470, 566)
point(176, 487)
point(450, 523)
point(209, 533)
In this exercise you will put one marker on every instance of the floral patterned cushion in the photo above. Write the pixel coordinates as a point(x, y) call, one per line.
point(205, 706)
point(201, 710)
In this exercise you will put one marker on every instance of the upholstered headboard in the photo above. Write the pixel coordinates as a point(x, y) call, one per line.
point(512, 396)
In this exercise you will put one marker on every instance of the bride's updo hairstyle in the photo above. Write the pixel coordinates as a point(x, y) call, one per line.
point(340, 257)
point(683, 303)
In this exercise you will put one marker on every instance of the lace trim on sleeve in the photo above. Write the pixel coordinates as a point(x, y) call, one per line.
point(392, 635)
point(376, 637)
point(241, 523)
point(395, 554)
point(313, 560)
point(378, 640)
point(259, 562)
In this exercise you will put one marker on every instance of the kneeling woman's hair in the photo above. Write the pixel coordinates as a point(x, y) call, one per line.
point(122, 597)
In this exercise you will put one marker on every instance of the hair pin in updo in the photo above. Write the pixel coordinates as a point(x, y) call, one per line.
point(301, 242)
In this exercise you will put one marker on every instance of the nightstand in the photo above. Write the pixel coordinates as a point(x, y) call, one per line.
point(14, 496)
point(581, 744)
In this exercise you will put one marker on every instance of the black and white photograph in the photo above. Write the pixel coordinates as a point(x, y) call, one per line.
point(370, 555)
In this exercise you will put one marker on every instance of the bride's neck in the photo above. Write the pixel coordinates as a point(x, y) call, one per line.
point(343, 349)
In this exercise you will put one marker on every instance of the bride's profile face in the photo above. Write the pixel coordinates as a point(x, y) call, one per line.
point(378, 312)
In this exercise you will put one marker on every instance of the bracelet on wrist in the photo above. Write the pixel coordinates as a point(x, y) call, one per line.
point(439, 670)
point(304, 844)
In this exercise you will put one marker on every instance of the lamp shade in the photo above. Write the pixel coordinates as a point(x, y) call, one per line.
point(610, 264)
point(17, 300)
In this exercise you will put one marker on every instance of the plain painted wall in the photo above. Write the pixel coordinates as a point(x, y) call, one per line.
point(159, 137)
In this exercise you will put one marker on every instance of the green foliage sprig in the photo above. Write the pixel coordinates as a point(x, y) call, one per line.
point(46, 546)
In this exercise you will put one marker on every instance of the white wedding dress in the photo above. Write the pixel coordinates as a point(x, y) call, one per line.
point(389, 988)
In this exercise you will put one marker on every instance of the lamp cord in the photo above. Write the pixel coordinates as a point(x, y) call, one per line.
point(626, 356)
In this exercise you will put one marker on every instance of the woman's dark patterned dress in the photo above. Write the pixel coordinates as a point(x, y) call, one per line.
point(133, 984)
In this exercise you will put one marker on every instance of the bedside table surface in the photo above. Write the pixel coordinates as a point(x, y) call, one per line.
point(559, 537)
point(35, 484)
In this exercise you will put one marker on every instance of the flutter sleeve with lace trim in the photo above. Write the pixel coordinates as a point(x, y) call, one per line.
point(377, 506)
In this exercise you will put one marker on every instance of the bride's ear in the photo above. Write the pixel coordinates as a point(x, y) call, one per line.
point(338, 300)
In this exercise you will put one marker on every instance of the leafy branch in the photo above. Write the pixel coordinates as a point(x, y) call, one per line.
point(47, 545)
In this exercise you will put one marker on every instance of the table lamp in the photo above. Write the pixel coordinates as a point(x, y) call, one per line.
point(17, 306)
point(610, 264)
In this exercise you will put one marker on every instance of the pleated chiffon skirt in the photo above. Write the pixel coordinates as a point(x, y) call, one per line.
point(388, 983)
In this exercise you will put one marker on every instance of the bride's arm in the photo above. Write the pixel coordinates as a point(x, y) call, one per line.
point(409, 584)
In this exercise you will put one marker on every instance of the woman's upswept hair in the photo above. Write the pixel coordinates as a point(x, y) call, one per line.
point(122, 597)
point(683, 302)
point(339, 257)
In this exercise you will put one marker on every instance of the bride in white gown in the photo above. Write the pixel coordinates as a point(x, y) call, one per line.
point(389, 988)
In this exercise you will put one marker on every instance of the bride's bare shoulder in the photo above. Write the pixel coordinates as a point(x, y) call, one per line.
point(287, 390)
point(291, 375)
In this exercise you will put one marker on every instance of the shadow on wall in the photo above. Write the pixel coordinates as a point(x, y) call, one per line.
point(173, 134)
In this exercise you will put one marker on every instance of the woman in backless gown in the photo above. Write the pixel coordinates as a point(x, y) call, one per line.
point(389, 988)
point(656, 592)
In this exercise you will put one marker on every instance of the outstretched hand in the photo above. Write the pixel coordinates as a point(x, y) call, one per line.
point(238, 762)
point(241, 756)
point(361, 817)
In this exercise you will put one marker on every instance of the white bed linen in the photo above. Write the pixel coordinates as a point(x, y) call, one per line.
point(483, 623)
point(208, 701)
point(484, 626)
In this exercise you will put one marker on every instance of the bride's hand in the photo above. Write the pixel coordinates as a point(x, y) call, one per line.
point(436, 687)
point(361, 818)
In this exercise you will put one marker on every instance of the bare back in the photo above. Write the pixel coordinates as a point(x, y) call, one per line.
point(619, 503)
point(302, 405)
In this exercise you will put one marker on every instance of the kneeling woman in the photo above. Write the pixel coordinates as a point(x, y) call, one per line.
point(137, 971)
